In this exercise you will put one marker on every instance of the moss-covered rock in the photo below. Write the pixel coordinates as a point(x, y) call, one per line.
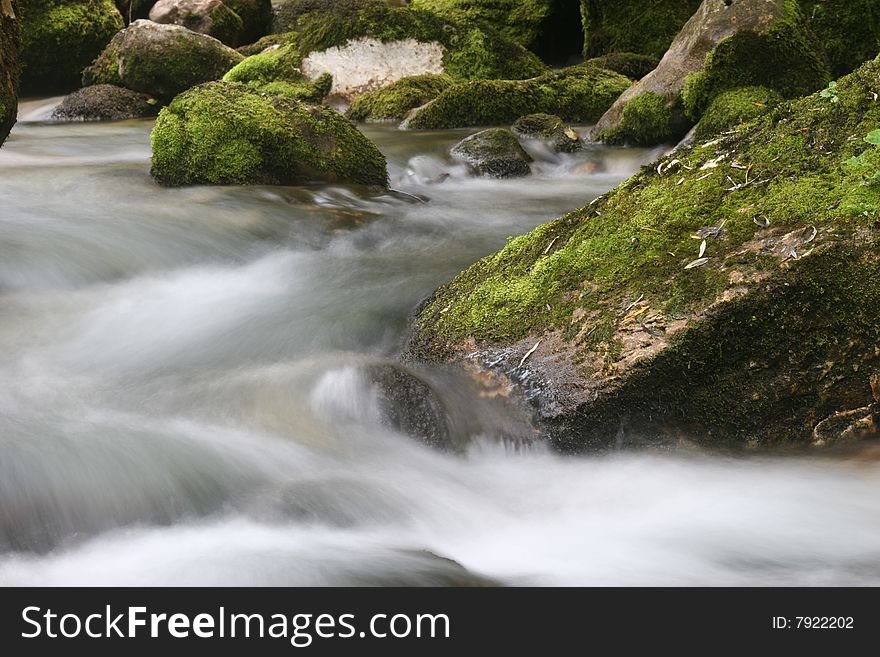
point(632, 65)
point(578, 94)
point(256, 18)
point(734, 107)
point(104, 102)
point(726, 45)
point(307, 91)
point(368, 48)
point(639, 26)
point(494, 153)
point(10, 66)
point(761, 331)
point(227, 133)
point(59, 38)
point(397, 99)
point(210, 17)
point(160, 60)
point(785, 57)
point(647, 120)
point(849, 30)
point(289, 12)
point(549, 128)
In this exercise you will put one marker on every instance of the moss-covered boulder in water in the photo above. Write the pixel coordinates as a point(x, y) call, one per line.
point(647, 120)
point(734, 107)
point(160, 60)
point(761, 331)
point(367, 49)
point(211, 17)
point(227, 133)
point(641, 26)
point(398, 98)
point(494, 153)
point(578, 94)
point(849, 30)
point(550, 129)
point(726, 45)
point(59, 38)
point(9, 66)
point(104, 102)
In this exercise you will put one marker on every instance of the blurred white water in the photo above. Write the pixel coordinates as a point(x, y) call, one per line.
point(186, 399)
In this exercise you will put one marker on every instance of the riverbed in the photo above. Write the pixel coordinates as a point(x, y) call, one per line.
point(184, 399)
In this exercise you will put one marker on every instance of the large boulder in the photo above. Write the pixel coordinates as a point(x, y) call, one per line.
point(104, 102)
point(725, 45)
point(369, 48)
point(59, 38)
point(396, 100)
point(494, 153)
point(227, 133)
point(579, 94)
point(9, 66)
point(621, 328)
point(637, 26)
point(160, 60)
point(550, 28)
point(210, 17)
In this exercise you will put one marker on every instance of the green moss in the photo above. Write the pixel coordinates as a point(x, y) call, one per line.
point(276, 64)
point(227, 133)
point(160, 60)
point(471, 53)
point(578, 94)
point(637, 26)
point(647, 120)
point(849, 30)
point(785, 58)
point(787, 167)
point(398, 98)
point(59, 38)
point(307, 91)
point(632, 65)
point(519, 20)
point(734, 107)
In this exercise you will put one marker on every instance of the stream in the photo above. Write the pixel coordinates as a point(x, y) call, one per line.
point(184, 399)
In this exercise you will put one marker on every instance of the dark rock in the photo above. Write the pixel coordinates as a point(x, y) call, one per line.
point(495, 153)
point(550, 129)
point(104, 102)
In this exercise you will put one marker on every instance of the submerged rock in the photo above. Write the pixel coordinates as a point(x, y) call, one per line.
point(160, 60)
point(622, 329)
point(104, 102)
point(226, 133)
point(550, 129)
point(725, 45)
point(210, 17)
point(579, 94)
point(9, 67)
point(495, 153)
point(397, 99)
point(59, 38)
point(369, 48)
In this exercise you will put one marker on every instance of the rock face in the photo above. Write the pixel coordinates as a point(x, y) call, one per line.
point(495, 153)
point(550, 129)
point(160, 60)
point(59, 38)
point(210, 17)
point(577, 94)
point(726, 44)
point(763, 330)
point(368, 48)
point(396, 100)
point(104, 102)
point(635, 26)
point(226, 133)
point(9, 66)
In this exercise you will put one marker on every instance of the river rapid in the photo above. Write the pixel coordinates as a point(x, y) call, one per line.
point(184, 400)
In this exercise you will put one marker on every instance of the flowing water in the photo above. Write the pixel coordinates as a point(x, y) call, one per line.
point(184, 397)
